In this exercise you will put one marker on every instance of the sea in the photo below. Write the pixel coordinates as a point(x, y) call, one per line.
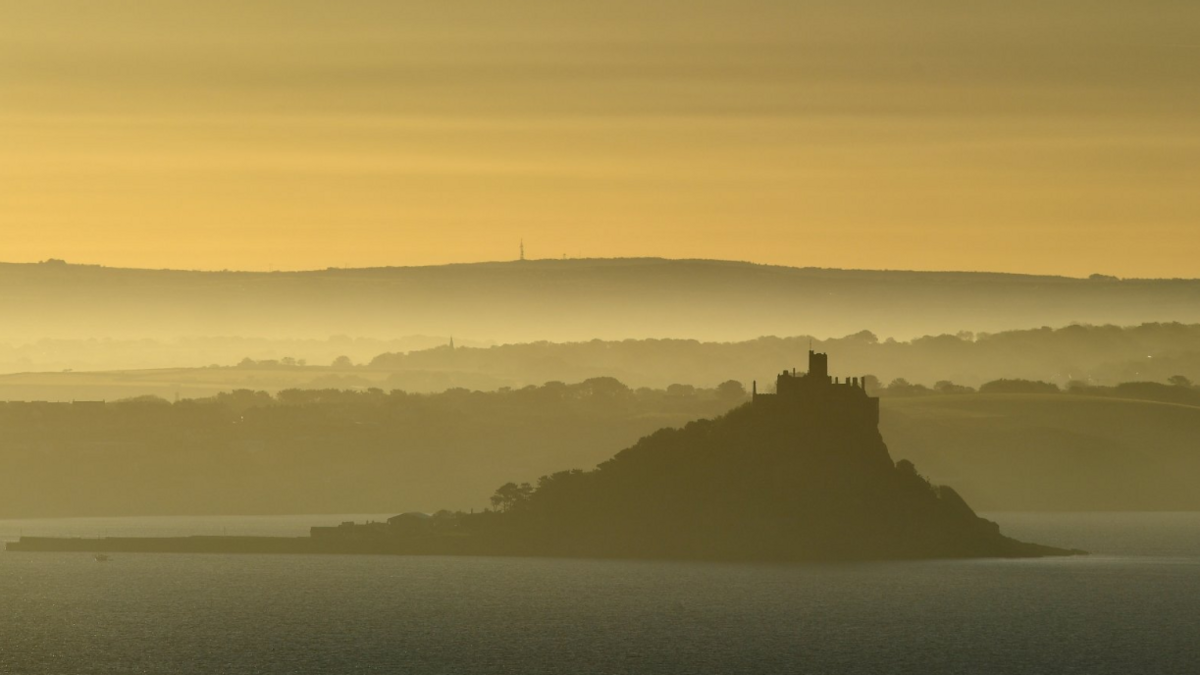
point(1131, 607)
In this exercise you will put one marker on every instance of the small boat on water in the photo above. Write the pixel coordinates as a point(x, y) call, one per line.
point(101, 557)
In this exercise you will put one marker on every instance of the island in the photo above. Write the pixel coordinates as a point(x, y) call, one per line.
point(800, 473)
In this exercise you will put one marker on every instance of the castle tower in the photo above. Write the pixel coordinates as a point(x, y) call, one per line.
point(818, 366)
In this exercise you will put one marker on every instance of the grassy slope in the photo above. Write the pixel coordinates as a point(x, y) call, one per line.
point(1051, 452)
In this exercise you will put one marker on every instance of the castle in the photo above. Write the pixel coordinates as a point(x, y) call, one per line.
point(816, 393)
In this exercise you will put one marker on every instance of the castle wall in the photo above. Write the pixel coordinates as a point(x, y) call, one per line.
point(818, 393)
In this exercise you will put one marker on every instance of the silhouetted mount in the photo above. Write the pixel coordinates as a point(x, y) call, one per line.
point(799, 475)
point(566, 300)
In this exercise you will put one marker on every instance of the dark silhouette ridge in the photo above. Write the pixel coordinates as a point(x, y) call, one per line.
point(802, 474)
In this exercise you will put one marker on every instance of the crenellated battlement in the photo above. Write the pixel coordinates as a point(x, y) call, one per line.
point(818, 392)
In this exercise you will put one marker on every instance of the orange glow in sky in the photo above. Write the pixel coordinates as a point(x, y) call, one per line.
point(1059, 137)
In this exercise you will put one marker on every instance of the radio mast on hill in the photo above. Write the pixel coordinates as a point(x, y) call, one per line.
point(522, 249)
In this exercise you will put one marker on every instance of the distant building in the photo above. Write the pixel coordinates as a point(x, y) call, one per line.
point(88, 405)
point(815, 392)
point(349, 530)
point(413, 521)
point(405, 524)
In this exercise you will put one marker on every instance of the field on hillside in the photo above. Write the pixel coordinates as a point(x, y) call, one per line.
point(318, 451)
point(1001, 452)
point(1051, 452)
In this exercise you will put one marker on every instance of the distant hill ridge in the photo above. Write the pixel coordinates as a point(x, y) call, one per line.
point(559, 264)
point(566, 300)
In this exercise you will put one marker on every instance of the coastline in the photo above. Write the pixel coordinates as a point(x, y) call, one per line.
point(435, 546)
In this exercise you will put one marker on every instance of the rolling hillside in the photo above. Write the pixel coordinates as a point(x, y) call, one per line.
point(372, 452)
point(1051, 452)
point(565, 300)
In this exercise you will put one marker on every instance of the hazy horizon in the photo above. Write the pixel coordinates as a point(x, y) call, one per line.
point(1018, 137)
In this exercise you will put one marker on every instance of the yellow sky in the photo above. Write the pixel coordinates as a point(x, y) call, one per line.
point(1057, 137)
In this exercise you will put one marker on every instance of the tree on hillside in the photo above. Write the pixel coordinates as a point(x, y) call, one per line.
point(872, 385)
point(902, 387)
point(948, 387)
point(731, 390)
point(680, 390)
point(511, 495)
point(1003, 386)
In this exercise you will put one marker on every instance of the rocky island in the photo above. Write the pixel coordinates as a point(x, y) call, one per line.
point(799, 474)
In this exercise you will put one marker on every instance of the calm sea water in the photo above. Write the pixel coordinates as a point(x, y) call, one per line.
point(1132, 607)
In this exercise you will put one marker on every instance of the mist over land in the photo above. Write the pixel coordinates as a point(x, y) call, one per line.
point(563, 300)
point(1068, 356)
point(374, 451)
point(284, 418)
point(96, 354)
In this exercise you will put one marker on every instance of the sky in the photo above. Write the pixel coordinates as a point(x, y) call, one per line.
point(1019, 136)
